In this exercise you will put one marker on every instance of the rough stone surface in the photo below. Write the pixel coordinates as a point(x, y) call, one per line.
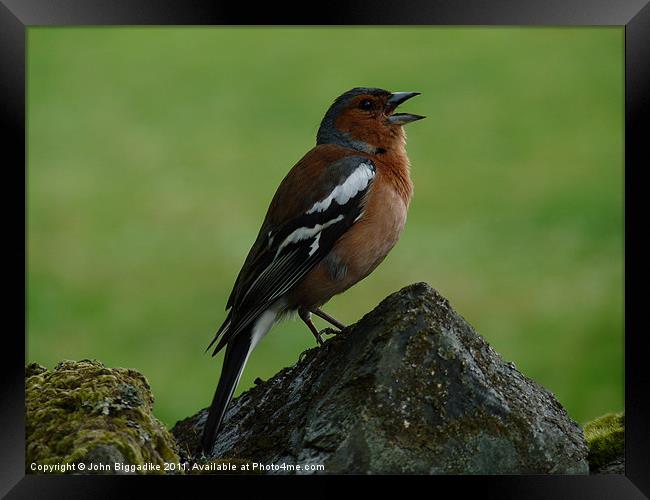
point(605, 437)
point(410, 388)
point(84, 412)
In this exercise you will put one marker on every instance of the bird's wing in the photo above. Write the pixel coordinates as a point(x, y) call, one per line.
point(313, 207)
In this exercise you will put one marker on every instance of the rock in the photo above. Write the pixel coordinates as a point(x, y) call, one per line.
point(606, 440)
point(84, 412)
point(410, 388)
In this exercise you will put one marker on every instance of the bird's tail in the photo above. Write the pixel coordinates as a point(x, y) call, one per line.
point(233, 364)
point(238, 349)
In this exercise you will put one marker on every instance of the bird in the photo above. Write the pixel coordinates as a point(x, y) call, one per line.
point(333, 219)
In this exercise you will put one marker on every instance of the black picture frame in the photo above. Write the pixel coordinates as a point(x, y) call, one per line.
point(634, 15)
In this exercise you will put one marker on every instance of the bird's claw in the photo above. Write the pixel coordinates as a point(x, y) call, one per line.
point(326, 331)
point(329, 331)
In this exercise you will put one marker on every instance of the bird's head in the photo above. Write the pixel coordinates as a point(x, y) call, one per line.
point(365, 119)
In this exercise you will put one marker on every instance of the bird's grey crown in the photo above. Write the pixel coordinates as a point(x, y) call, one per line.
point(329, 134)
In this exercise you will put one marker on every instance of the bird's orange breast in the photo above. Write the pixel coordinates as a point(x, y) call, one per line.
point(361, 249)
point(368, 242)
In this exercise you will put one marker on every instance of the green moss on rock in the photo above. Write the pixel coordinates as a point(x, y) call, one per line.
point(84, 412)
point(605, 437)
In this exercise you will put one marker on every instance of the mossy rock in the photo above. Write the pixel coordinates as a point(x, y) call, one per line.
point(84, 412)
point(605, 437)
point(411, 388)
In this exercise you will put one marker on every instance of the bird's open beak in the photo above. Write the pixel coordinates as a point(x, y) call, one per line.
point(395, 100)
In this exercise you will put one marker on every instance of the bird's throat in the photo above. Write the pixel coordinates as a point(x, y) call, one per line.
point(395, 164)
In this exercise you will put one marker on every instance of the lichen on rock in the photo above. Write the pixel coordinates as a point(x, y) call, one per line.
point(410, 388)
point(84, 412)
point(605, 437)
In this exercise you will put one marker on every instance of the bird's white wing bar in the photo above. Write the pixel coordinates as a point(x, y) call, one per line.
point(303, 233)
point(357, 181)
point(314, 245)
point(289, 251)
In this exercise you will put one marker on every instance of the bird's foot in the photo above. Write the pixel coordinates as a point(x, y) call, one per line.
point(328, 331)
point(325, 331)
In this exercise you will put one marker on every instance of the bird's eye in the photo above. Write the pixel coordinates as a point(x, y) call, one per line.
point(366, 104)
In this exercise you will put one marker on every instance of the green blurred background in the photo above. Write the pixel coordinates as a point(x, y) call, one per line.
point(153, 154)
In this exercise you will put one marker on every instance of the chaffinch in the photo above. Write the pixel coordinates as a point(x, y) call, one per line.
point(333, 219)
